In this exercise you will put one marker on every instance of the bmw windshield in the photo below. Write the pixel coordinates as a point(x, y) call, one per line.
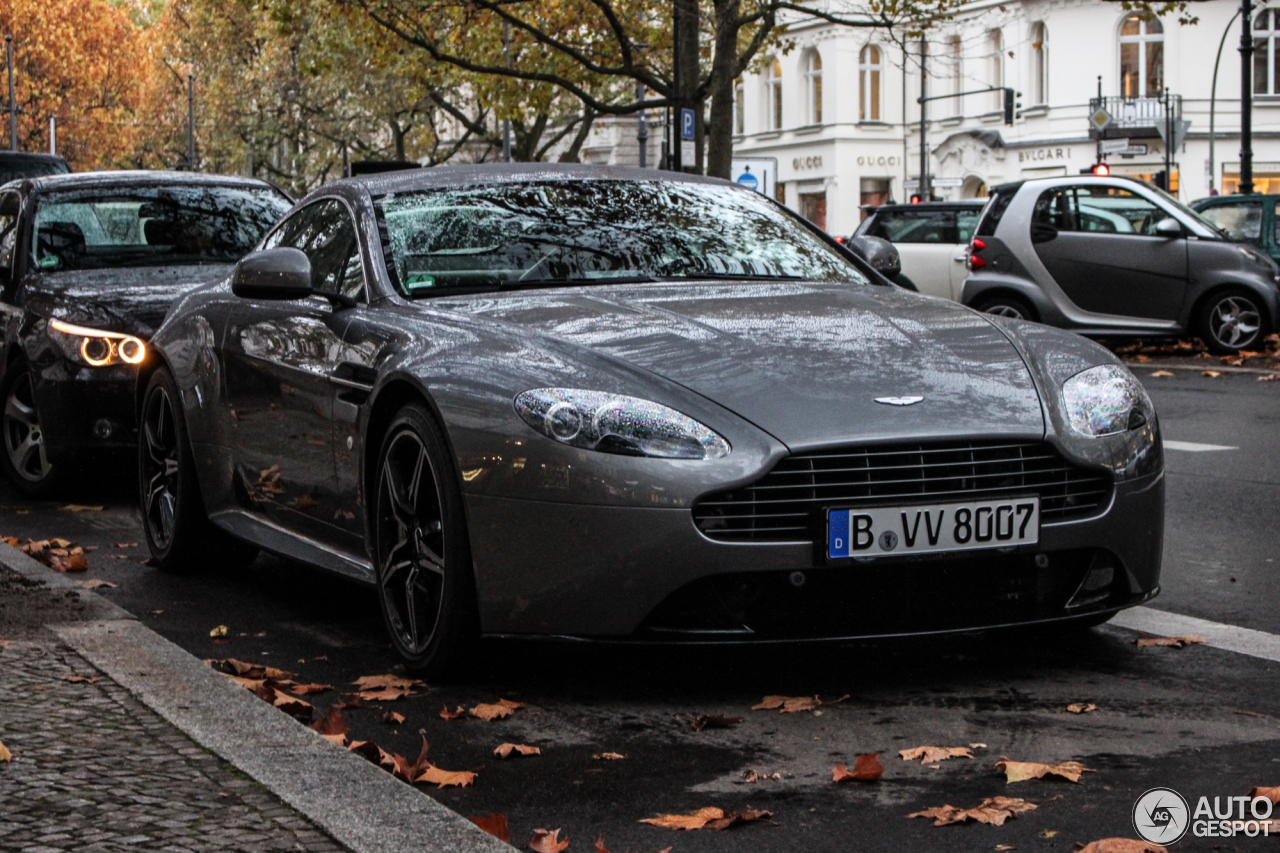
point(596, 232)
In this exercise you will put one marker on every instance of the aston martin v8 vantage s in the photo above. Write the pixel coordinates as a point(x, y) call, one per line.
point(628, 405)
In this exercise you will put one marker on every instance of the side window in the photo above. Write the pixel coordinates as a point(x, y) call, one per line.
point(10, 206)
point(352, 281)
point(1117, 210)
point(324, 231)
point(994, 211)
point(1241, 221)
point(1056, 208)
point(910, 226)
point(965, 222)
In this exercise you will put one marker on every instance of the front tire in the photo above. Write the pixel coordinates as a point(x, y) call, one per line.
point(426, 589)
point(1232, 321)
point(25, 459)
point(179, 534)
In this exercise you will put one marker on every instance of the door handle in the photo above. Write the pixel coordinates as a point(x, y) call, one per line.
point(960, 258)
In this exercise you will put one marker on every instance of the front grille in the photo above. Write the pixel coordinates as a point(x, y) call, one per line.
point(782, 505)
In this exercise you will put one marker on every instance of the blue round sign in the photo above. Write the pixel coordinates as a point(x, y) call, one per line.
point(748, 180)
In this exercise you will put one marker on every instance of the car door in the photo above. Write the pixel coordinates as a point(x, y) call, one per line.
point(279, 356)
point(925, 239)
point(1099, 244)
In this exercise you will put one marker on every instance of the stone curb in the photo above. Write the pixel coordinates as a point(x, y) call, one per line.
point(356, 803)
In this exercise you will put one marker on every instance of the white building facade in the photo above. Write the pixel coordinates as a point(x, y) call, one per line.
point(838, 112)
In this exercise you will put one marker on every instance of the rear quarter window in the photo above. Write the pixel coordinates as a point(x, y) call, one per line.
point(915, 226)
point(994, 211)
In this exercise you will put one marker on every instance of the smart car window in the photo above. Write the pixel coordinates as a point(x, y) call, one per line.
point(1241, 221)
point(150, 226)
point(916, 226)
point(1056, 208)
point(583, 232)
point(1116, 210)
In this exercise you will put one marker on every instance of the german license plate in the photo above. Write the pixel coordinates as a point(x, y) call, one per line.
point(878, 531)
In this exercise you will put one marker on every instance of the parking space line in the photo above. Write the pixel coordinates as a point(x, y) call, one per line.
point(1195, 447)
point(1232, 638)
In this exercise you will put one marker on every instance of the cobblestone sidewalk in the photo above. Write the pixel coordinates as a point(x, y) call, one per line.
point(95, 771)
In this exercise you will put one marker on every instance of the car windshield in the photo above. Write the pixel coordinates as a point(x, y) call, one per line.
point(12, 171)
point(596, 232)
point(1211, 229)
point(151, 226)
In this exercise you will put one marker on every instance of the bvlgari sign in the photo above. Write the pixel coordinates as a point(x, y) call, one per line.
point(1036, 155)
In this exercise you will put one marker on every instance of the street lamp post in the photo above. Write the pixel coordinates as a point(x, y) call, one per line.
point(1246, 97)
point(642, 130)
point(923, 188)
point(191, 123)
point(13, 105)
point(1213, 101)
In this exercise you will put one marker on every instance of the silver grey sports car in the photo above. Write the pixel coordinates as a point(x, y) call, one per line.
point(629, 405)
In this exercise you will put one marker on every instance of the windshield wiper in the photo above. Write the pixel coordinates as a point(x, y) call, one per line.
point(733, 276)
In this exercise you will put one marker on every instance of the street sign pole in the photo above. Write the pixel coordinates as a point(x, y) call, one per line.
point(677, 147)
point(924, 120)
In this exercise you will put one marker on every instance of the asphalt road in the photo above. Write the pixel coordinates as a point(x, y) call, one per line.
point(1200, 720)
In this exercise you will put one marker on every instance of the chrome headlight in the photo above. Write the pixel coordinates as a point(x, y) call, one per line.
point(1105, 400)
point(95, 347)
point(612, 423)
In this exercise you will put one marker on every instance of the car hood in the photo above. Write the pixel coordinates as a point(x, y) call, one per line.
point(132, 300)
point(805, 362)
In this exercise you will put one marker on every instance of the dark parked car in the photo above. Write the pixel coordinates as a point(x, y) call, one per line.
point(1245, 219)
point(624, 404)
point(1118, 257)
point(15, 165)
point(89, 264)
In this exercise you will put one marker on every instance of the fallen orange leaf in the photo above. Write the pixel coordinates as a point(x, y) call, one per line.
point(1212, 374)
point(1162, 373)
point(1173, 642)
point(5, 754)
point(866, 769)
point(96, 583)
point(547, 841)
point(714, 721)
point(608, 756)
point(374, 753)
point(1021, 771)
point(308, 689)
point(81, 679)
point(384, 694)
point(1270, 377)
point(1082, 707)
point(70, 563)
point(707, 818)
point(756, 776)
point(218, 631)
point(934, 754)
point(992, 810)
point(496, 711)
point(1272, 794)
point(392, 718)
point(792, 704)
point(445, 778)
point(446, 714)
point(374, 682)
point(506, 749)
point(250, 670)
point(331, 724)
point(350, 700)
point(494, 824)
point(1121, 845)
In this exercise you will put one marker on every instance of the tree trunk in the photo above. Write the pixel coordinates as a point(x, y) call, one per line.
point(723, 61)
point(397, 139)
point(574, 152)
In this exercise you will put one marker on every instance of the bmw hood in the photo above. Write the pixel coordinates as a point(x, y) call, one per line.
point(132, 300)
point(812, 364)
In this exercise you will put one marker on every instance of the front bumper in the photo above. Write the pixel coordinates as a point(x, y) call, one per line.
point(86, 408)
point(649, 574)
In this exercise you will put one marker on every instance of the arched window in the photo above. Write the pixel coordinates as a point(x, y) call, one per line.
point(813, 83)
point(1141, 58)
point(775, 94)
point(739, 107)
point(1266, 77)
point(1039, 63)
point(869, 69)
point(995, 67)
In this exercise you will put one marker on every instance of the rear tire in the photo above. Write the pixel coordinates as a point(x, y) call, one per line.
point(1007, 305)
point(179, 534)
point(24, 457)
point(1231, 321)
point(426, 586)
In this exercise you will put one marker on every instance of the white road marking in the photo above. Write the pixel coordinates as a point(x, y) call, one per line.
point(1245, 641)
point(1194, 447)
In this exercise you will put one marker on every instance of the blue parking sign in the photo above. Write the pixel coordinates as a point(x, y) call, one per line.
point(686, 123)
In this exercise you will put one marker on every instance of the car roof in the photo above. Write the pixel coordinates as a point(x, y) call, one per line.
point(928, 205)
point(7, 157)
point(138, 177)
point(1230, 197)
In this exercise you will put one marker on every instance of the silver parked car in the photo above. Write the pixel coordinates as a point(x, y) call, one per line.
point(627, 405)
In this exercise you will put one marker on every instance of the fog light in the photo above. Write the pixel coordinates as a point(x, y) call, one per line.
point(1097, 583)
point(1098, 578)
point(798, 579)
point(103, 428)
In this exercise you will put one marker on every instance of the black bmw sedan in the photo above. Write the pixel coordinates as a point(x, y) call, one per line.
point(89, 264)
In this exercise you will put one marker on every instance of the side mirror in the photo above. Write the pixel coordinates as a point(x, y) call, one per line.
point(1168, 227)
point(283, 273)
point(1042, 232)
point(879, 253)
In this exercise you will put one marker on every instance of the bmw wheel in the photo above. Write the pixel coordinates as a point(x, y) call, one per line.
point(179, 533)
point(1003, 305)
point(1232, 321)
point(425, 587)
point(26, 460)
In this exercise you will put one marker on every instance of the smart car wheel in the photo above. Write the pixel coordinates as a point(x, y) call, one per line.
point(25, 459)
point(1006, 306)
point(179, 534)
point(425, 586)
point(1231, 321)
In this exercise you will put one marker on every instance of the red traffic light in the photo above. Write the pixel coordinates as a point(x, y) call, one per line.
point(1101, 170)
point(915, 199)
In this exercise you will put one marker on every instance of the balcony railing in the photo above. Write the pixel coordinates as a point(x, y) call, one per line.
point(1133, 116)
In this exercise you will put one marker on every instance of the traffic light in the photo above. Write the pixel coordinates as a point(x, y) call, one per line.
point(1010, 105)
point(1100, 170)
point(916, 199)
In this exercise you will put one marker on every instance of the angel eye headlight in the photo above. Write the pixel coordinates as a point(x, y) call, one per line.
point(1104, 400)
point(97, 348)
point(613, 423)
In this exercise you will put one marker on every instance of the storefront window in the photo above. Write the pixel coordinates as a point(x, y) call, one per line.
point(813, 207)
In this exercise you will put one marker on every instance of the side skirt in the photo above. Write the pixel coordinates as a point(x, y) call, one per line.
point(270, 536)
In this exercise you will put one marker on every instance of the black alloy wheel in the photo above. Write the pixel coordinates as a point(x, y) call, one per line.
point(26, 460)
point(179, 534)
point(1232, 321)
point(1003, 305)
point(425, 588)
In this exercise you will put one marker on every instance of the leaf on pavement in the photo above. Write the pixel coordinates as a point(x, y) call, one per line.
point(391, 718)
point(1121, 845)
point(714, 721)
point(374, 682)
point(291, 705)
point(384, 694)
point(248, 670)
point(308, 689)
point(69, 563)
point(496, 711)
point(1081, 707)
point(494, 824)
point(1021, 771)
point(608, 756)
point(708, 818)
point(1272, 794)
point(373, 752)
point(1270, 377)
point(408, 771)
point(992, 810)
point(792, 704)
point(332, 723)
point(446, 778)
point(81, 679)
point(1172, 642)
point(547, 841)
point(507, 749)
point(82, 508)
point(5, 754)
point(866, 769)
point(446, 714)
point(218, 631)
point(96, 583)
point(1162, 373)
point(751, 775)
point(125, 545)
point(934, 754)
point(1212, 374)
point(350, 700)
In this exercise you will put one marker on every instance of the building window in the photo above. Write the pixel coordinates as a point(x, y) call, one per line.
point(1266, 80)
point(1141, 58)
point(813, 79)
point(1039, 64)
point(954, 72)
point(873, 193)
point(739, 107)
point(869, 69)
point(813, 207)
point(995, 67)
point(775, 94)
